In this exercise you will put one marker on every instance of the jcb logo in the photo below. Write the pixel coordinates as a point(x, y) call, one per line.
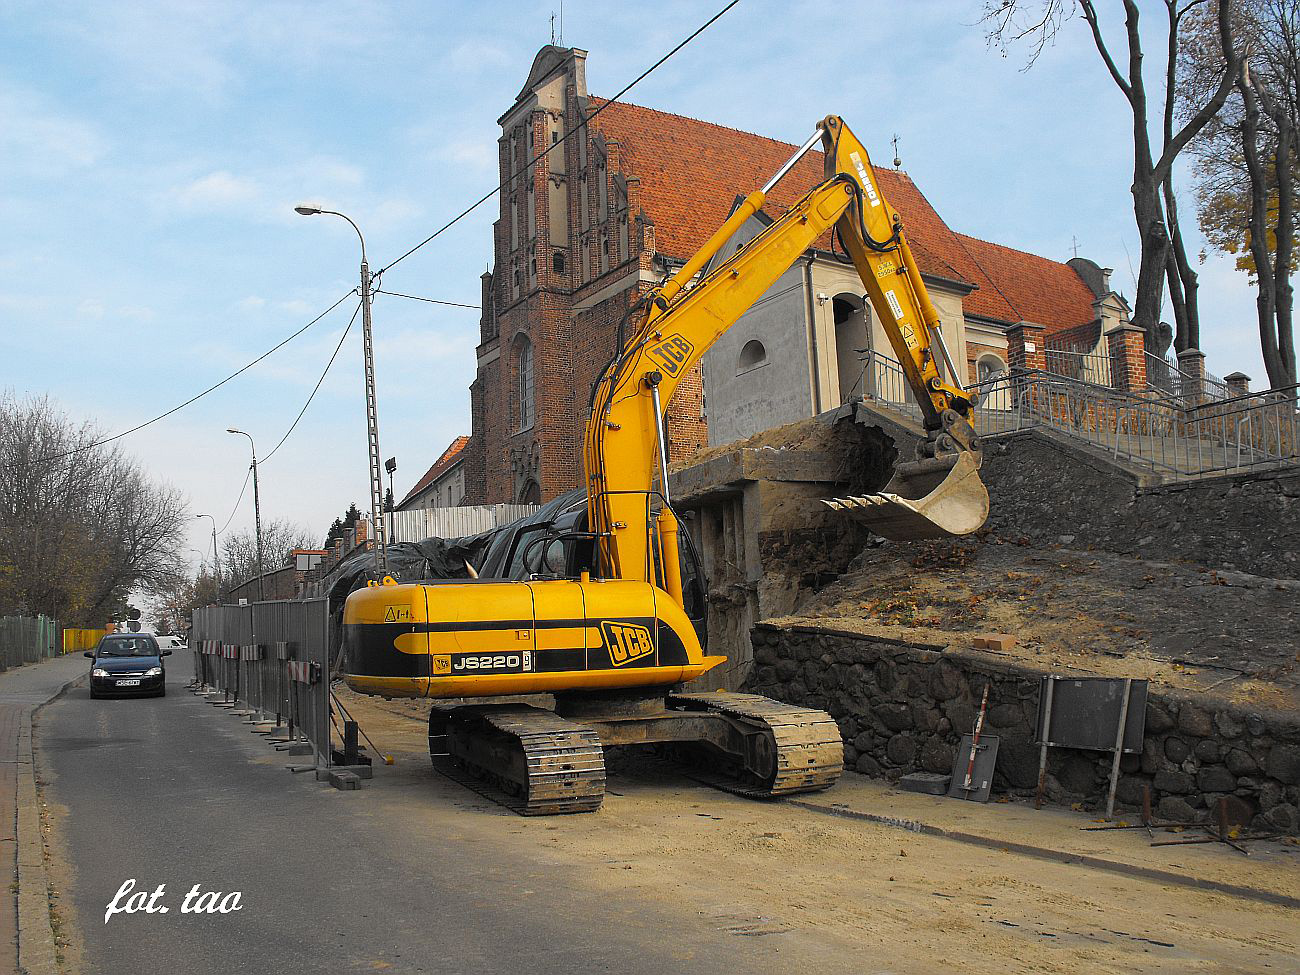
point(626, 642)
point(671, 354)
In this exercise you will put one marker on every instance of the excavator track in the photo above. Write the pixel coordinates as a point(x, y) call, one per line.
point(529, 760)
point(809, 753)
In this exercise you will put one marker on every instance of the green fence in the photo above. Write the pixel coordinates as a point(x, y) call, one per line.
point(27, 639)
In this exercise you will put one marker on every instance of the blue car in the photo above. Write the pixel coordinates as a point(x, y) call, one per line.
point(128, 665)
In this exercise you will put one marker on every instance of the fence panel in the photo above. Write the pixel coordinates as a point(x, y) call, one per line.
point(273, 657)
point(27, 639)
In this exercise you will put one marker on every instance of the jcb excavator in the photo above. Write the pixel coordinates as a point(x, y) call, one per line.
point(605, 630)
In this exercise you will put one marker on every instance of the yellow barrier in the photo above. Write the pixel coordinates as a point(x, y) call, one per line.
point(76, 640)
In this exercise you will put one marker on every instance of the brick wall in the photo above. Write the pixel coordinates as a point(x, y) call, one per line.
point(572, 247)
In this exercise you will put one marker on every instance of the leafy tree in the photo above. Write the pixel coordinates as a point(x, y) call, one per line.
point(1248, 164)
point(343, 525)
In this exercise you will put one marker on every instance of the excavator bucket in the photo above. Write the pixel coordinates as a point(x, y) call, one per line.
point(934, 498)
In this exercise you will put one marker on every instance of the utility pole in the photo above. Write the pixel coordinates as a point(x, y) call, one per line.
point(377, 525)
point(257, 517)
point(216, 563)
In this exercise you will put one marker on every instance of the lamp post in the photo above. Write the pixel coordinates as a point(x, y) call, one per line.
point(390, 465)
point(372, 420)
point(257, 514)
point(216, 565)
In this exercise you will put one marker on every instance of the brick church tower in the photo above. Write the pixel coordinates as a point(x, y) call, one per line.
point(573, 251)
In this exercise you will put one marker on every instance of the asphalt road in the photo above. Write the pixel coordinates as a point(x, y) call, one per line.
point(172, 791)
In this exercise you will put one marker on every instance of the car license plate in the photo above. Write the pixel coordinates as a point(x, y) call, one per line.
point(128, 683)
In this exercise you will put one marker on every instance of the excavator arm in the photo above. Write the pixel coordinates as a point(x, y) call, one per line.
point(939, 495)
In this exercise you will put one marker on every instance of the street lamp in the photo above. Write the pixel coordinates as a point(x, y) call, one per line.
point(372, 418)
point(216, 566)
point(257, 514)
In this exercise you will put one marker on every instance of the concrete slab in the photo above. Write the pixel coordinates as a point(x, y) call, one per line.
point(345, 781)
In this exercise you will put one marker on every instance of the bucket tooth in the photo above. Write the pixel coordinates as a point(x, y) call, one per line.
point(936, 498)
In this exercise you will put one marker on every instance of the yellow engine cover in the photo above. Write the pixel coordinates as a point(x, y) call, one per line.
point(472, 638)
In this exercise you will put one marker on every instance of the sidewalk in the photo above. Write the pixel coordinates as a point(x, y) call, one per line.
point(26, 939)
point(1271, 873)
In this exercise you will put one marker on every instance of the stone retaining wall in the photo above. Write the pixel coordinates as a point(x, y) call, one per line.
point(903, 708)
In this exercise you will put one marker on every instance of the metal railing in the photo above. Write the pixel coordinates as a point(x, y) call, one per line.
point(1165, 376)
point(1169, 435)
point(272, 658)
point(1090, 367)
point(27, 639)
point(1159, 433)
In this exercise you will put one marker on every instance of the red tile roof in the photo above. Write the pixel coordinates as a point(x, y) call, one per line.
point(692, 171)
point(444, 463)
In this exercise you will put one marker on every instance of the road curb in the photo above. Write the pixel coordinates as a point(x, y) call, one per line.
point(1056, 856)
point(37, 950)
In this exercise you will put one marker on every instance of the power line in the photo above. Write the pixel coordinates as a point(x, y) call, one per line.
point(529, 165)
point(432, 301)
point(315, 388)
point(199, 396)
point(241, 498)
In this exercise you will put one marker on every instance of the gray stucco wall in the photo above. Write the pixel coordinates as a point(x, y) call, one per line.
point(779, 392)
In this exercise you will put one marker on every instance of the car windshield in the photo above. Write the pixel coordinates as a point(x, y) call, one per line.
point(132, 646)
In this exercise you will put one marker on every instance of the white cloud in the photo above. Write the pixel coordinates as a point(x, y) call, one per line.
point(217, 190)
point(38, 138)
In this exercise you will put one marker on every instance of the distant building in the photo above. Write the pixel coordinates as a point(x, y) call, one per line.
point(443, 484)
point(584, 233)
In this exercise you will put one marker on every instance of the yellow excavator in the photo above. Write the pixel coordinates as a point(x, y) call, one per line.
point(599, 617)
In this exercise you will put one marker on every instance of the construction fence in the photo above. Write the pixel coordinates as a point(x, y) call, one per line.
point(79, 638)
point(272, 659)
point(27, 639)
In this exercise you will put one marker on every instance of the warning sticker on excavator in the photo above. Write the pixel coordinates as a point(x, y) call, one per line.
point(672, 353)
point(398, 614)
point(894, 306)
point(442, 663)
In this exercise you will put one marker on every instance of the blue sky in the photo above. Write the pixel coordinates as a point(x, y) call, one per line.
point(151, 154)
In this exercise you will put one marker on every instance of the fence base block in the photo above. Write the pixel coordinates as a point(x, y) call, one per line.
point(297, 748)
point(344, 780)
point(361, 771)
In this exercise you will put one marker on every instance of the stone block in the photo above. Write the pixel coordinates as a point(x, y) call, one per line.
point(1195, 722)
point(1018, 762)
point(1177, 810)
point(1282, 817)
point(344, 780)
point(1216, 778)
point(864, 742)
point(1078, 774)
point(1174, 782)
point(928, 783)
point(895, 717)
point(1006, 715)
point(1158, 720)
point(1153, 756)
point(867, 765)
point(936, 756)
point(1284, 764)
point(1270, 795)
point(901, 749)
point(1176, 750)
point(1207, 751)
point(1227, 725)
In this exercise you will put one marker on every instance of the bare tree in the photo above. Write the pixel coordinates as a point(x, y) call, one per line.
point(81, 526)
point(279, 538)
point(1247, 162)
point(1163, 256)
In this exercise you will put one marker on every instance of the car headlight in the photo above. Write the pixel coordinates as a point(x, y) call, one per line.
point(99, 672)
point(153, 672)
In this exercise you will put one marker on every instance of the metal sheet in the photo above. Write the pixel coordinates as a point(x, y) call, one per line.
point(981, 779)
point(1085, 713)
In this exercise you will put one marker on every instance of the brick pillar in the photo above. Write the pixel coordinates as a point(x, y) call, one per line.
point(1238, 383)
point(1126, 345)
point(1191, 363)
point(1025, 346)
